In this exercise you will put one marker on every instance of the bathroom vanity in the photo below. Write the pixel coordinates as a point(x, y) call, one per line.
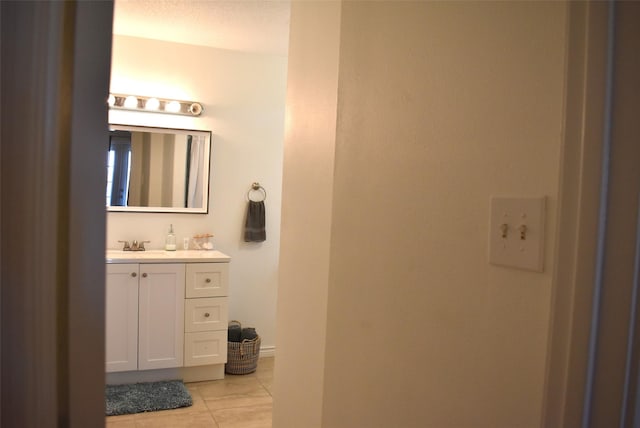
point(166, 315)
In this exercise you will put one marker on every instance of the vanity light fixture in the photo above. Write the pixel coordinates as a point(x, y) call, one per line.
point(153, 104)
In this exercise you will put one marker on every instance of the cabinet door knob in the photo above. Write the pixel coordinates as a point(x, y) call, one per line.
point(133, 274)
point(144, 275)
point(206, 314)
point(208, 280)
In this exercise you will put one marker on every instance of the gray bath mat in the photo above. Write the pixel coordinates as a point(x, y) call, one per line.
point(146, 397)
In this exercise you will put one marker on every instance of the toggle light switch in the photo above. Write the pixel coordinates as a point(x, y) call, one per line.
point(516, 232)
point(523, 232)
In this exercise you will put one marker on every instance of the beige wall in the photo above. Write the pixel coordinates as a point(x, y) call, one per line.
point(306, 213)
point(440, 106)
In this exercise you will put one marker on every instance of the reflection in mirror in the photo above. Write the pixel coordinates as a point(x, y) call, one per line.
point(158, 170)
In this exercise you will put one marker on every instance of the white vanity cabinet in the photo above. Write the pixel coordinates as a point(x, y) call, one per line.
point(145, 316)
point(206, 314)
point(166, 315)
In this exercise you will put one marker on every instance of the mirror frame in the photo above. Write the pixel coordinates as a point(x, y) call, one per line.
point(206, 171)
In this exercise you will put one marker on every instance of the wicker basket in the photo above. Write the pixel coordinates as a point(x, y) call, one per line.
point(242, 357)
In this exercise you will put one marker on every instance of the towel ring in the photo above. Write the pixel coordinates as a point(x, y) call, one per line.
point(254, 187)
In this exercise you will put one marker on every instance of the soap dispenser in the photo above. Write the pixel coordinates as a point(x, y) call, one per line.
point(170, 243)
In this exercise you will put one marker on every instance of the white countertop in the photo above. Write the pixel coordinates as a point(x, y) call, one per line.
point(162, 256)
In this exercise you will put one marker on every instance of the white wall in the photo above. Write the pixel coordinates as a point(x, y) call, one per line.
point(440, 106)
point(243, 96)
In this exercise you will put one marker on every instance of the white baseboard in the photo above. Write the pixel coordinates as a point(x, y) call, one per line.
point(187, 374)
point(267, 351)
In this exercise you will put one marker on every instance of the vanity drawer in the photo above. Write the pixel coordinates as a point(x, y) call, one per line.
point(205, 314)
point(207, 279)
point(202, 348)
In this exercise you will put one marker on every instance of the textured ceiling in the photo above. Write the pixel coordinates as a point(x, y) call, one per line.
point(244, 25)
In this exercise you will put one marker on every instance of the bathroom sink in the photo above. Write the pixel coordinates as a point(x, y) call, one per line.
point(148, 254)
point(162, 256)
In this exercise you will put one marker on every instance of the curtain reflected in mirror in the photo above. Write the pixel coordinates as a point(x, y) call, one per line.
point(118, 168)
point(157, 170)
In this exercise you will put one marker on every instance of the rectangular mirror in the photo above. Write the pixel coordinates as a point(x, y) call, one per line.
point(158, 170)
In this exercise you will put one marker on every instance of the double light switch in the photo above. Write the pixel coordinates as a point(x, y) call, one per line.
point(516, 233)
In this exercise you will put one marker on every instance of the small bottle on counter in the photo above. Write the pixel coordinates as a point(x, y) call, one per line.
point(170, 243)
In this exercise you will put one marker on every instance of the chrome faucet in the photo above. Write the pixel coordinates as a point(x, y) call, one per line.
point(135, 245)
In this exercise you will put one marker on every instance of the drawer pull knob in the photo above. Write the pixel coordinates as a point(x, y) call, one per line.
point(206, 314)
point(133, 274)
point(208, 280)
point(144, 275)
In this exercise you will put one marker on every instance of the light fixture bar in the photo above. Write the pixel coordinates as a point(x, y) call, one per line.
point(153, 104)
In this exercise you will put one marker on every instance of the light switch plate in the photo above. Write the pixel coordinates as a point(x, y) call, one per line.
point(511, 244)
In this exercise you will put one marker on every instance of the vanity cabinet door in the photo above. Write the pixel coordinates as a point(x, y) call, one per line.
point(121, 317)
point(161, 317)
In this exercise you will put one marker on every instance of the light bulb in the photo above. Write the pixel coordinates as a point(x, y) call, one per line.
point(111, 100)
point(172, 107)
point(195, 109)
point(131, 102)
point(152, 104)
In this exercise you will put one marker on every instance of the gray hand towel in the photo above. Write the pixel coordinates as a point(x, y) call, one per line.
point(254, 227)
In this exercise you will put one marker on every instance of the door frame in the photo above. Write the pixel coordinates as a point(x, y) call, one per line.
point(54, 84)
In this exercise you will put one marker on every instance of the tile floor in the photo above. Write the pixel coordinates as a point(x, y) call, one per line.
point(233, 402)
